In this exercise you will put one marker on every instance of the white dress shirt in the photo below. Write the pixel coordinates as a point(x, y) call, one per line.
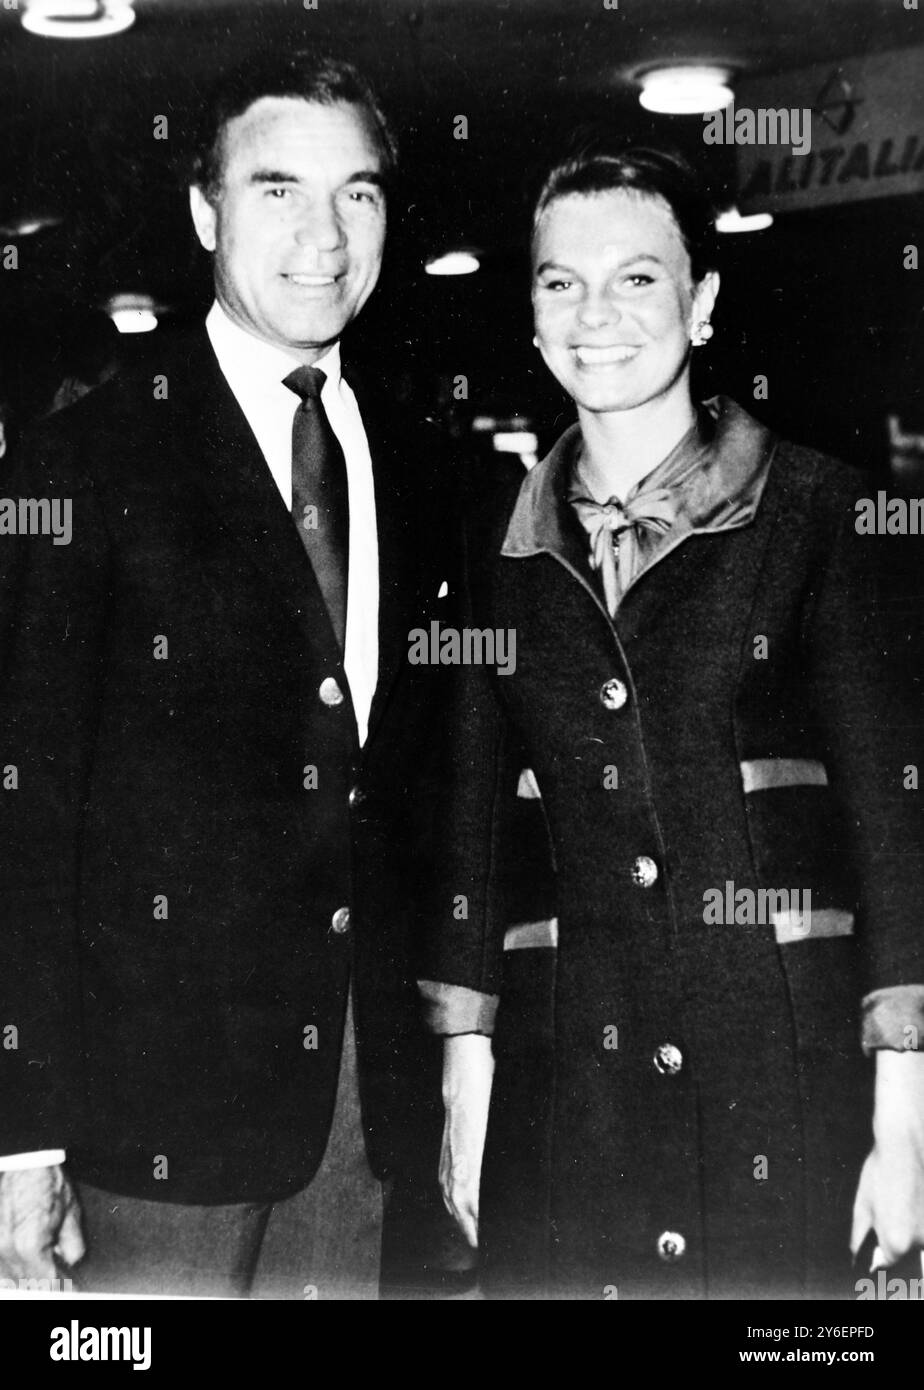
point(255, 371)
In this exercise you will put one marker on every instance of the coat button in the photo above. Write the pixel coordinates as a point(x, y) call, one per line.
point(613, 694)
point(356, 797)
point(330, 692)
point(671, 1246)
point(668, 1059)
point(340, 922)
point(644, 872)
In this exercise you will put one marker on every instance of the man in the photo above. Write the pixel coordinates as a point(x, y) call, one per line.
point(220, 757)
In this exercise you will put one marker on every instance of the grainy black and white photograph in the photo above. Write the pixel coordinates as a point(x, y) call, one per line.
point(461, 664)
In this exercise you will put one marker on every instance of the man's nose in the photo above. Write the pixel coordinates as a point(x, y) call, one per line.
point(319, 226)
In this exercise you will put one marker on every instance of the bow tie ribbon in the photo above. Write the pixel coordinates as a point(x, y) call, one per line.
point(614, 529)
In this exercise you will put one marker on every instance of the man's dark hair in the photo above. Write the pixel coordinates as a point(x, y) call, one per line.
point(598, 162)
point(306, 76)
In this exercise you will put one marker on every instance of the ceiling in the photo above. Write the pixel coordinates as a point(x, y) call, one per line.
point(76, 119)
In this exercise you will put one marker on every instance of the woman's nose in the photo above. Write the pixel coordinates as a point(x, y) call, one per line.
point(598, 309)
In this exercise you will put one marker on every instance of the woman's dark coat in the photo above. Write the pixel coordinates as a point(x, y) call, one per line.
point(602, 1150)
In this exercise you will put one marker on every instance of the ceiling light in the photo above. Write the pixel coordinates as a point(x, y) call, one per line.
point(732, 221)
point(685, 91)
point(78, 19)
point(28, 223)
point(515, 442)
point(453, 263)
point(132, 313)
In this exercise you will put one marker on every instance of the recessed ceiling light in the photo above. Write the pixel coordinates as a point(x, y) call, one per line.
point(453, 263)
point(732, 221)
point(685, 91)
point(78, 19)
point(132, 313)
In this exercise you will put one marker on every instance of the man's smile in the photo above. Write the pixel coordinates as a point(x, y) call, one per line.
point(311, 281)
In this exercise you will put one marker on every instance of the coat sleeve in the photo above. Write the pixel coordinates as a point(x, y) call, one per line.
point(53, 600)
point(462, 956)
point(861, 630)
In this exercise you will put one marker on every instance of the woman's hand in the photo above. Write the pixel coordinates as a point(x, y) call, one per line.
point(468, 1071)
point(890, 1196)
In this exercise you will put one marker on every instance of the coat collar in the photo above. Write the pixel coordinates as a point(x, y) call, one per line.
point(721, 492)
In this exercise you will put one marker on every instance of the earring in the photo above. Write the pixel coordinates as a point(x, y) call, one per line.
point(701, 333)
point(535, 342)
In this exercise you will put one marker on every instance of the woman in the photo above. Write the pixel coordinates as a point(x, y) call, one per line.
point(682, 1104)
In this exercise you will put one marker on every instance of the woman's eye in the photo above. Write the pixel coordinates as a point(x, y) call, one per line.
point(557, 284)
point(278, 193)
point(640, 279)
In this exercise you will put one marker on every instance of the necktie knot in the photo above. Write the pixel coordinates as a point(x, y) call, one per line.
point(306, 382)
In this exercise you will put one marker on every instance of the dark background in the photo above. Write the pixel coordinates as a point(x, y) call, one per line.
point(820, 303)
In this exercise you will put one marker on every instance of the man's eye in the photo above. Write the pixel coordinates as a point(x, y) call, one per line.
point(557, 285)
point(640, 279)
point(363, 195)
point(278, 193)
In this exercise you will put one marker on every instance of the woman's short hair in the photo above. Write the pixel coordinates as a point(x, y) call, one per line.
point(306, 76)
point(599, 163)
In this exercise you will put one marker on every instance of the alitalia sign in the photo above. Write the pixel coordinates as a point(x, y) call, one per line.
point(866, 133)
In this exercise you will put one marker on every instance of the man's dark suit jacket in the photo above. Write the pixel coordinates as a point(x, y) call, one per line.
point(183, 778)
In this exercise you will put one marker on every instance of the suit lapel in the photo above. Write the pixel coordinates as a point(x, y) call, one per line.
point(235, 481)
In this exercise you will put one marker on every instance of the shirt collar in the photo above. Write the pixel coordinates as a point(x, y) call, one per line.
point(251, 362)
point(719, 481)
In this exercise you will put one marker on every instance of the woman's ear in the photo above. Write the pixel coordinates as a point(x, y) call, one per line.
point(704, 297)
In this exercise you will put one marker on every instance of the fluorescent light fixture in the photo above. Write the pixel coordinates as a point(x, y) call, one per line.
point(685, 91)
point(732, 221)
point(492, 424)
point(515, 442)
point(134, 320)
point(78, 19)
point(132, 313)
point(453, 263)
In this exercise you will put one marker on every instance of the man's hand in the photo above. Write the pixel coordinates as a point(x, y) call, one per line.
point(468, 1071)
point(890, 1196)
point(39, 1223)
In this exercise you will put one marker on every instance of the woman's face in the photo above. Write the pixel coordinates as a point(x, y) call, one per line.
point(613, 298)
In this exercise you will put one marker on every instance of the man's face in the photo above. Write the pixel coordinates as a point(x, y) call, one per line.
point(298, 222)
point(614, 300)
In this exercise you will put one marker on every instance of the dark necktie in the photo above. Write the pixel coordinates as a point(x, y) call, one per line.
point(320, 500)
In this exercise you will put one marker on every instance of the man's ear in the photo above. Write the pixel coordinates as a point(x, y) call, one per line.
point(204, 216)
point(704, 296)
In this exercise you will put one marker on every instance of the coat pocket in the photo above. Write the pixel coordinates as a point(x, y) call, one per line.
point(798, 844)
